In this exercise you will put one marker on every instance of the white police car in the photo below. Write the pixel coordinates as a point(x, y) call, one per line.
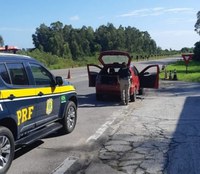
point(33, 104)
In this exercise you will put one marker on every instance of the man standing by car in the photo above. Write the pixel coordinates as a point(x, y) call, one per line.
point(124, 80)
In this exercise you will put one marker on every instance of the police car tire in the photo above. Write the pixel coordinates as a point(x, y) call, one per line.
point(8, 136)
point(70, 113)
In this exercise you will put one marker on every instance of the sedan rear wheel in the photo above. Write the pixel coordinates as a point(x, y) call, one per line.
point(7, 149)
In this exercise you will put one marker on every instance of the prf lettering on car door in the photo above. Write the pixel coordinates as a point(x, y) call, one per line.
point(24, 114)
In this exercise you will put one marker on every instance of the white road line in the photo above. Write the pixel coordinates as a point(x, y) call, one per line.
point(100, 131)
point(103, 128)
point(67, 163)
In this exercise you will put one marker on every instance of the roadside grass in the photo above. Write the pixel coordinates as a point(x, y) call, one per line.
point(192, 75)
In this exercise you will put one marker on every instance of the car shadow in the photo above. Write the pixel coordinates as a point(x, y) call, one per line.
point(178, 88)
point(89, 100)
point(26, 148)
point(86, 154)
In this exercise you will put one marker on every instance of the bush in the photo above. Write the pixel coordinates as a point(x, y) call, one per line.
point(197, 51)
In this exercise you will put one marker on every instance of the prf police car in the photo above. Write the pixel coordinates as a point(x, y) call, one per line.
point(33, 104)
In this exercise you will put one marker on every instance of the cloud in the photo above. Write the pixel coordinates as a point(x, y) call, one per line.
point(178, 10)
point(74, 18)
point(156, 11)
point(135, 13)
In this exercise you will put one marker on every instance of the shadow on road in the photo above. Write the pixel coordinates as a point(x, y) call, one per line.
point(177, 88)
point(25, 149)
point(89, 100)
point(184, 152)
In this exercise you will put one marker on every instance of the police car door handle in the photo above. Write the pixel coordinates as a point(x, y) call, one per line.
point(11, 97)
point(40, 93)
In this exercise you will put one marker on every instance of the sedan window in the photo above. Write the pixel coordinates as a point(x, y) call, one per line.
point(111, 59)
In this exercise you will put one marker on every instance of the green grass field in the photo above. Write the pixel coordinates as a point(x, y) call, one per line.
point(192, 75)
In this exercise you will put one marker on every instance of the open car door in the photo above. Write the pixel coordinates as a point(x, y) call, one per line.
point(149, 77)
point(93, 71)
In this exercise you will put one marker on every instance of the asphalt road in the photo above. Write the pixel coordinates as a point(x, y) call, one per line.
point(158, 136)
point(94, 118)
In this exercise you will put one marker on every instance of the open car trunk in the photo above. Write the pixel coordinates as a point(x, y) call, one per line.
point(108, 79)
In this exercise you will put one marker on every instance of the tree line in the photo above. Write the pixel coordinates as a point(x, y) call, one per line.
point(68, 42)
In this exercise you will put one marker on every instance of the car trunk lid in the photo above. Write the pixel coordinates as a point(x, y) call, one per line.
point(114, 57)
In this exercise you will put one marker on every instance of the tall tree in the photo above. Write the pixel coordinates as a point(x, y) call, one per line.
point(197, 51)
point(197, 44)
point(120, 38)
point(56, 39)
point(101, 37)
point(197, 25)
point(1, 41)
point(41, 38)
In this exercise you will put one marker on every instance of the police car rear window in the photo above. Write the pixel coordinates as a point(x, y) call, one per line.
point(18, 74)
point(4, 73)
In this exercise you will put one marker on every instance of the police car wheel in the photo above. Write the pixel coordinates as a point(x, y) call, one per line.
point(70, 117)
point(7, 149)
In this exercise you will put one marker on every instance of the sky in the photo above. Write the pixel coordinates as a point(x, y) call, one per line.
point(169, 22)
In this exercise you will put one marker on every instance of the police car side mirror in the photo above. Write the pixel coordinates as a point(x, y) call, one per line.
point(59, 80)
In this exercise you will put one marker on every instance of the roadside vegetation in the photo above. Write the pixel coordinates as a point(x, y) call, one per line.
point(191, 74)
point(56, 62)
